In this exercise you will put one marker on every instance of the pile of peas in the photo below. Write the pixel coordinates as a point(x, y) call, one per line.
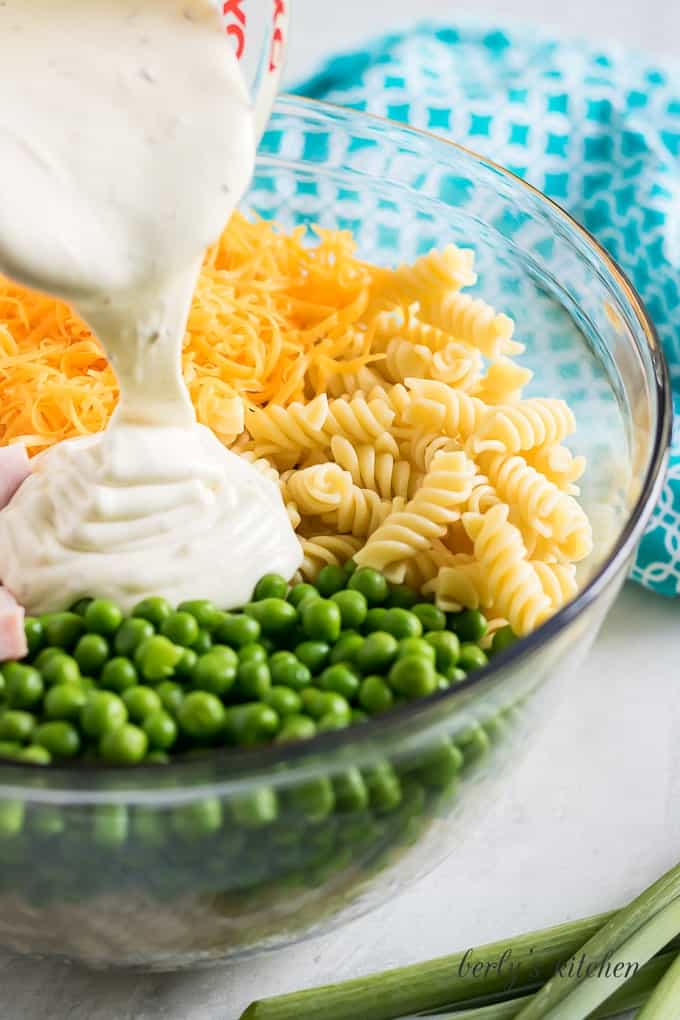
point(296, 661)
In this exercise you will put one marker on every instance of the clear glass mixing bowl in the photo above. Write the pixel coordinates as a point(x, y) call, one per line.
point(236, 852)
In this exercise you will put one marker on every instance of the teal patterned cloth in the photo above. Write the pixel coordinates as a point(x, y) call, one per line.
point(598, 130)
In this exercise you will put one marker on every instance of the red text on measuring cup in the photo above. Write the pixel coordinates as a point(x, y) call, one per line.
point(277, 36)
point(236, 24)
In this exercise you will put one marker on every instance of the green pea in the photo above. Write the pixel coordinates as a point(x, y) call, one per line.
point(502, 639)
point(473, 742)
point(314, 798)
point(60, 669)
point(350, 567)
point(92, 651)
point(284, 701)
point(351, 792)
point(103, 616)
point(119, 675)
point(401, 624)
point(201, 716)
point(275, 616)
point(384, 788)
point(430, 616)
point(157, 758)
point(402, 597)
point(413, 677)
point(34, 755)
point(456, 675)
point(110, 825)
point(470, 625)
point(2, 686)
point(374, 619)
point(180, 628)
point(23, 685)
point(205, 613)
point(256, 808)
point(446, 647)
point(416, 646)
point(312, 654)
point(252, 653)
point(443, 682)
point(441, 765)
point(271, 586)
point(64, 701)
point(148, 825)
point(340, 678)
point(141, 702)
point(35, 634)
point(268, 645)
point(371, 583)
point(377, 653)
point(331, 579)
point(332, 721)
point(126, 745)
point(102, 713)
point(16, 726)
point(216, 671)
point(295, 727)
point(375, 695)
point(184, 670)
point(238, 630)
point(471, 657)
point(347, 647)
point(45, 656)
point(131, 635)
point(299, 592)
point(62, 630)
point(199, 819)
point(11, 818)
point(321, 620)
point(171, 695)
point(155, 609)
point(86, 684)
point(253, 681)
point(156, 658)
point(353, 608)
point(358, 716)
point(203, 642)
point(80, 607)
point(319, 703)
point(251, 723)
point(61, 739)
point(9, 749)
point(47, 821)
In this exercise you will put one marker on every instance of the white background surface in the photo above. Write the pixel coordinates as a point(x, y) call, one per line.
point(593, 814)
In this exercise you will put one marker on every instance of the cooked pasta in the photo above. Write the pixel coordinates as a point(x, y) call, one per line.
point(384, 402)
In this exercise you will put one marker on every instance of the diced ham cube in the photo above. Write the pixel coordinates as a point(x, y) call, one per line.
point(15, 467)
point(12, 637)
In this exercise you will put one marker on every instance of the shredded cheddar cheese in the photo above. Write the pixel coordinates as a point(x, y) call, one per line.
point(272, 319)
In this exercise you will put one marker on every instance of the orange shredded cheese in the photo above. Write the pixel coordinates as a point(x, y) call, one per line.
point(272, 319)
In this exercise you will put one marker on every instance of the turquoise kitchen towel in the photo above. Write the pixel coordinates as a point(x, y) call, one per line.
point(596, 129)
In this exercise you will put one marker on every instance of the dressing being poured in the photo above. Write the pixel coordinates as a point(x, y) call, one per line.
point(127, 137)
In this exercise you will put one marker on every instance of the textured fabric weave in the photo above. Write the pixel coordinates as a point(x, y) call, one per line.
point(598, 130)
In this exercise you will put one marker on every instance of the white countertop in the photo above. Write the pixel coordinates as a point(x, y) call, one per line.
point(592, 817)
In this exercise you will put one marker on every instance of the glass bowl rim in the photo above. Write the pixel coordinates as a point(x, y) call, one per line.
point(246, 762)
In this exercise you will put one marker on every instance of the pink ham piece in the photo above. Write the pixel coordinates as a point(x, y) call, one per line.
point(12, 637)
point(15, 467)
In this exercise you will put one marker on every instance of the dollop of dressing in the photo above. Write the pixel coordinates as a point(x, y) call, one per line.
point(126, 141)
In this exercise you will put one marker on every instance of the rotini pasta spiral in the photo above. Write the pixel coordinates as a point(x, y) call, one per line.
point(540, 504)
point(362, 512)
point(558, 581)
point(424, 446)
point(473, 321)
point(403, 359)
point(512, 428)
point(263, 465)
point(326, 550)
point(559, 465)
point(358, 419)
point(435, 405)
point(503, 382)
point(372, 467)
point(437, 272)
point(436, 504)
point(513, 583)
point(292, 428)
point(461, 585)
point(458, 365)
point(318, 490)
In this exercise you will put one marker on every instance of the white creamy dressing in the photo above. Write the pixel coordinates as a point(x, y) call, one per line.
point(126, 141)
